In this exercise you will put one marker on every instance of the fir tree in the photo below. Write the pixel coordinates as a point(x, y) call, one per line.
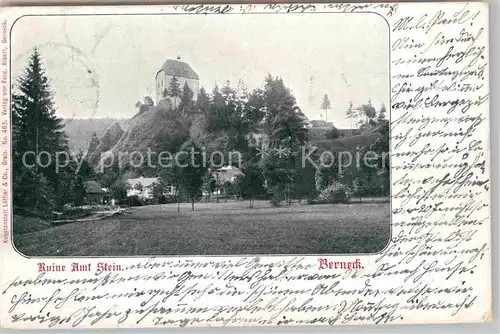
point(228, 93)
point(325, 105)
point(203, 101)
point(241, 92)
point(174, 90)
point(350, 114)
point(381, 114)
point(78, 191)
point(186, 104)
point(275, 95)
point(217, 97)
point(36, 128)
point(36, 125)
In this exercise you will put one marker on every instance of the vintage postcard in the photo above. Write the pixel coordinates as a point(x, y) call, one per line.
point(245, 165)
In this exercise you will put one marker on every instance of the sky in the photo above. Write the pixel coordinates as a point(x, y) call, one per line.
point(100, 66)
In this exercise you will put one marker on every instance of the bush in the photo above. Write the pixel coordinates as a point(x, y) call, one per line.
point(333, 133)
point(311, 200)
point(166, 199)
point(335, 193)
point(276, 199)
point(134, 201)
point(276, 196)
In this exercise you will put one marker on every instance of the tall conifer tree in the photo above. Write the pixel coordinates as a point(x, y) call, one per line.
point(36, 128)
point(174, 90)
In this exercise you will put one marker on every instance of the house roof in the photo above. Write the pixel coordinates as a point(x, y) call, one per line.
point(179, 69)
point(144, 181)
point(92, 187)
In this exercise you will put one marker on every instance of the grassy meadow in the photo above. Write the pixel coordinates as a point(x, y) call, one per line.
point(218, 229)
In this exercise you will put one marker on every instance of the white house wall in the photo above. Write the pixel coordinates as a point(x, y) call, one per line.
point(163, 81)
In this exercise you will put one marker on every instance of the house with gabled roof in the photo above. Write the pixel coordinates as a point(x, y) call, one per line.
point(94, 193)
point(182, 71)
point(142, 187)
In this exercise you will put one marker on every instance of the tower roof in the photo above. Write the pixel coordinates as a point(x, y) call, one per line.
point(179, 69)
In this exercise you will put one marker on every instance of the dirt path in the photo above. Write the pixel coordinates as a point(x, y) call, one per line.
point(98, 215)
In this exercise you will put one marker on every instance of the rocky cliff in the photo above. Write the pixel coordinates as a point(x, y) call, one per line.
point(99, 146)
point(155, 130)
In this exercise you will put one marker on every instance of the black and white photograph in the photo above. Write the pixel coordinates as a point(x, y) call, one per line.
point(149, 135)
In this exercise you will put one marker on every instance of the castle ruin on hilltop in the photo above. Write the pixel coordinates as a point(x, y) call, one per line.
point(182, 72)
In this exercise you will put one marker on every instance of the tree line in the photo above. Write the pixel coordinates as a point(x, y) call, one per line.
point(231, 115)
point(226, 119)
